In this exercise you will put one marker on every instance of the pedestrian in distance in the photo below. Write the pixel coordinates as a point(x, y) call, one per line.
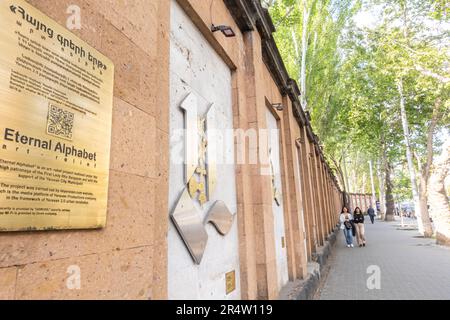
point(371, 213)
point(346, 220)
point(358, 219)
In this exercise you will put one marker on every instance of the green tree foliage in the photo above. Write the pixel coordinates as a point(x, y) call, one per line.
point(326, 23)
point(352, 76)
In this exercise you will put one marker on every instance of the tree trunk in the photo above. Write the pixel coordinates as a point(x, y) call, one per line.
point(425, 171)
point(314, 50)
point(344, 166)
point(439, 203)
point(353, 181)
point(382, 193)
point(423, 202)
point(346, 199)
point(363, 185)
point(339, 173)
point(372, 187)
point(390, 204)
point(306, 13)
point(294, 40)
point(423, 219)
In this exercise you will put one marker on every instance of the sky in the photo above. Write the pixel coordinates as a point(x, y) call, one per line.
point(368, 18)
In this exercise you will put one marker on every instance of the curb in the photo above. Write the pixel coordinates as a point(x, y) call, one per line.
point(305, 289)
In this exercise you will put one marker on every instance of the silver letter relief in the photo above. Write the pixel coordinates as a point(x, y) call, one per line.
point(200, 182)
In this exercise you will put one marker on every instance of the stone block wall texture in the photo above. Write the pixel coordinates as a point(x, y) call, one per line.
point(128, 258)
point(197, 71)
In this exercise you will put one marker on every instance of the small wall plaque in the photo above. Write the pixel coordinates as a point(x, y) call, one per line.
point(230, 279)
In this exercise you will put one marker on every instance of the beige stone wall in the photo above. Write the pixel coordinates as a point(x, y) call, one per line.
point(254, 87)
point(298, 209)
point(127, 259)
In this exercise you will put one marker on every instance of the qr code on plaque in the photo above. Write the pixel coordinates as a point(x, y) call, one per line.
point(60, 122)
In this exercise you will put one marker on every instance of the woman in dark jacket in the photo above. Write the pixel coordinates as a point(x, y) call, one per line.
point(358, 220)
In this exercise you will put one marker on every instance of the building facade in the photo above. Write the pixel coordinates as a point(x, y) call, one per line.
point(240, 225)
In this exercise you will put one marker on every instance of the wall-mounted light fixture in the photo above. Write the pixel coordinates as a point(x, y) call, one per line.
point(308, 115)
point(226, 30)
point(278, 106)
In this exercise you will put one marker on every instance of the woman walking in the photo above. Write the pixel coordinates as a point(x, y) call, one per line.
point(358, 220)
point(346, 225)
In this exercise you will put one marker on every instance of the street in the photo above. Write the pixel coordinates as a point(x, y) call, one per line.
point(395, 264)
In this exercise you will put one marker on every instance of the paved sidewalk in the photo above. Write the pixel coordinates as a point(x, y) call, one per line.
point(410, 267)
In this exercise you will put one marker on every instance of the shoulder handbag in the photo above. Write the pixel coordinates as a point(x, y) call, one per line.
point(348, 225)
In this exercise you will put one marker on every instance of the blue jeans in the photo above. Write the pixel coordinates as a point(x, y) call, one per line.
point(348, 236)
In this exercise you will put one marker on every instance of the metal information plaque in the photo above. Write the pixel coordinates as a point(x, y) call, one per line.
point(56, 96)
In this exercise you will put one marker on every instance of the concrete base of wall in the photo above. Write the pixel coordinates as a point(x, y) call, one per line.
point(305, 289)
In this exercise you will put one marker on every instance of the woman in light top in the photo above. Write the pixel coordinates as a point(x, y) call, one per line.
point(358, 219)
point(346, 225)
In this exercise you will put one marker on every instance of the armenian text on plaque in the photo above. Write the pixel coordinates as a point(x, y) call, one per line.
point(56, 96)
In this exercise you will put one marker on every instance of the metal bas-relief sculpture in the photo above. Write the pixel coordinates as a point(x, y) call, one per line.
point(200, 182)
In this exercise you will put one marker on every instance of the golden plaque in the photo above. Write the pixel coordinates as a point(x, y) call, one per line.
point(56, 96)
point(230, 281)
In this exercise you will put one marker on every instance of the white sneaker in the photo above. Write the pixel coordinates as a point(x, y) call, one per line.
point(348, 246)
point(351, 245)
